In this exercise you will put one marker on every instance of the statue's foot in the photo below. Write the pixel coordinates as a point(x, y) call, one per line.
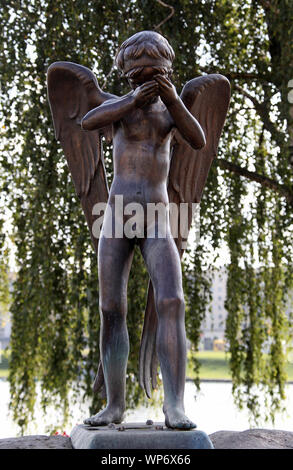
point(106, 416)
point(176, 419)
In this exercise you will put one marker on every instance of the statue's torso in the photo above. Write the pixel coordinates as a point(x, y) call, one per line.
point(142, 154)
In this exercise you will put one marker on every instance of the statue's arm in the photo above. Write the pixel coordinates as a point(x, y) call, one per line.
point(187, 125)
point(184, 121)
point(115, 109)
point(108, 112)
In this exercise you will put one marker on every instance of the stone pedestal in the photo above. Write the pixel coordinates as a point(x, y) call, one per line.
point(137, 436)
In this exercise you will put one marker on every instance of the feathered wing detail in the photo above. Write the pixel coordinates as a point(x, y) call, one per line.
point(148, 362)
point(73, 90)
point(207, 98)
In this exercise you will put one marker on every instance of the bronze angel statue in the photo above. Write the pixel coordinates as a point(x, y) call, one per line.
point(163, 147)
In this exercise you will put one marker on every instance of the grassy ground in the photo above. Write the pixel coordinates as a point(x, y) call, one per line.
point(3, 367)
point(214, 365)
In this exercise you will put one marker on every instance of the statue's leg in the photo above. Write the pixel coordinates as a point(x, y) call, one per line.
point(163, 264)
point(115, 256)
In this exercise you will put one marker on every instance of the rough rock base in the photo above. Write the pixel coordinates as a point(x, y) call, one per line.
point(36, 442)
point(250, 439)
point(253, 439)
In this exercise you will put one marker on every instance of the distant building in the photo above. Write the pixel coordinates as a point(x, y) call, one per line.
point(5, 331)
point(213, 327)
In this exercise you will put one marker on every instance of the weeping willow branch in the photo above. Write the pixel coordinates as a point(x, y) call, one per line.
point(263, 111)
point(237, 74)
point(265, 181)
point(261, 108)
point(157, 27)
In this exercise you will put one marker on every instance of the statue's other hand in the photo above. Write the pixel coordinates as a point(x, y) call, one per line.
point(145, 92)
point(167, 90)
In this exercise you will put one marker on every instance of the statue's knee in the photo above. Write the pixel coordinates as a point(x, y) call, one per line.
point(169, 305)
point(112, 311)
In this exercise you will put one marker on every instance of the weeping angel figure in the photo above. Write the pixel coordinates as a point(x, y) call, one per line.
point(163, 147)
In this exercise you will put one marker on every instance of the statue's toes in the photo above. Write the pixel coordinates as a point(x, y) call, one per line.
point(95, 422)
point(98, 420)
point(180, 423)
point(88, 421)
point(187, 424)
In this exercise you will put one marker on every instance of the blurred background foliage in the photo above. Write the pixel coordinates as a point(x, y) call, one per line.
point(246, 210)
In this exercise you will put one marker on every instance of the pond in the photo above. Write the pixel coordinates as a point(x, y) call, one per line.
point(213, 410)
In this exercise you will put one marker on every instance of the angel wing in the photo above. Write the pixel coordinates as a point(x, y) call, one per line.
point(207, 98)
point(73, 90)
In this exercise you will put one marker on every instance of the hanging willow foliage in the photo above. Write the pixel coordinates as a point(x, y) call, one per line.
point(246, 207)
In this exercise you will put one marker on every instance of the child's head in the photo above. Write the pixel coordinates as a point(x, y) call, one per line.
point(145, 49)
